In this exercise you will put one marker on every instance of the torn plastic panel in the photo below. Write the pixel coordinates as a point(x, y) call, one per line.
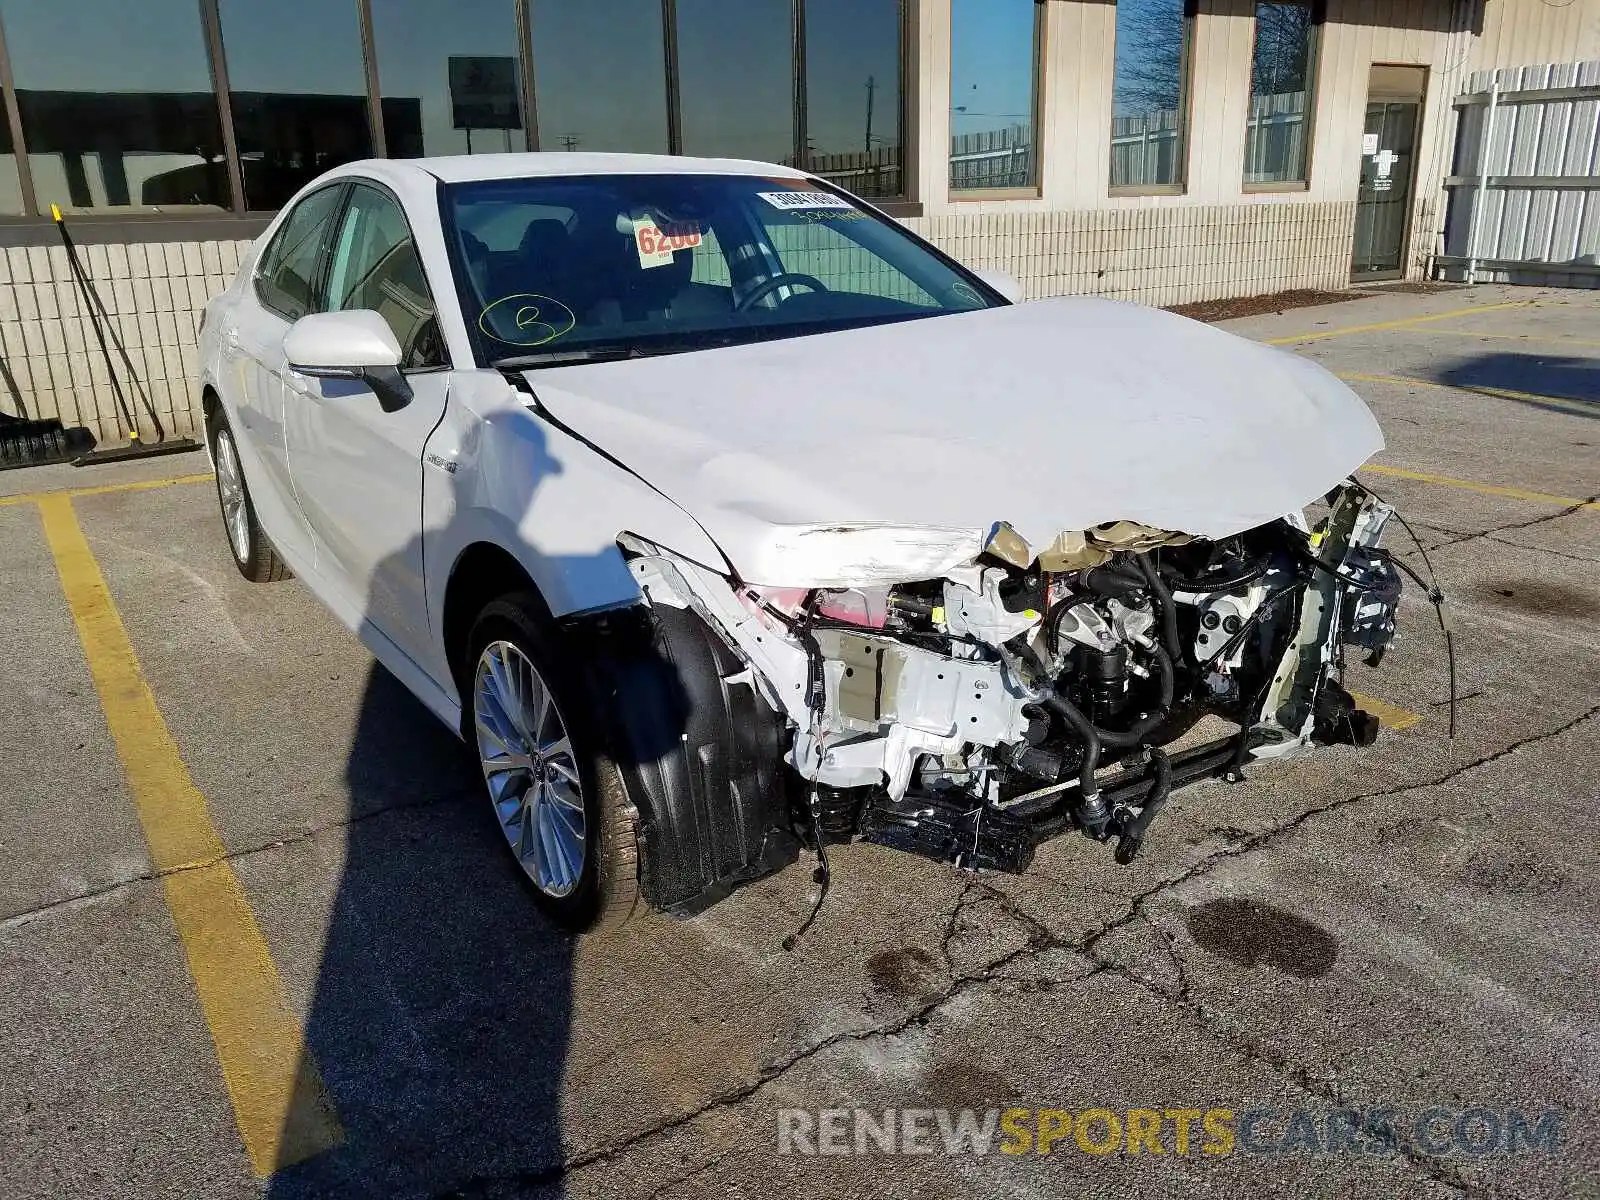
point(989, 698)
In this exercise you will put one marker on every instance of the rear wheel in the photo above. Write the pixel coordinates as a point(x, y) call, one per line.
point(252, 552)
point(557, 798)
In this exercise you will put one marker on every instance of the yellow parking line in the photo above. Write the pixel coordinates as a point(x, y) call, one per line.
point(1487, 489)
point(1565, 403)
point(102, 489)
point(1399, 323)
point(1389, 715)
point(282, 1110)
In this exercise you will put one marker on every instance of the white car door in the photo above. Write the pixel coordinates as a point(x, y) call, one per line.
point(357, 468)
point(280, 292)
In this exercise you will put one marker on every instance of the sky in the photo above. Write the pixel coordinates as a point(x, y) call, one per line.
point(991, 64)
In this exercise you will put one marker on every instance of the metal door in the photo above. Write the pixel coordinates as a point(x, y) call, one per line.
point(1383, 201)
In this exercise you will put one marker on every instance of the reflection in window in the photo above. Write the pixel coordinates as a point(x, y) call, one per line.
point(285, 279)
point(992, 62)
point(116, 102)
point(1281, 73)
point(824, 251)
point(575, 47)
point(374, 265)
point(449, 86)
point(853, 94)
point(299, 92)
point(1147, 118)
point(736, 73)
point(10, 182)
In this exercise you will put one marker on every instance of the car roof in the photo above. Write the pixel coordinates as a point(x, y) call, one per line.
point(468, 168)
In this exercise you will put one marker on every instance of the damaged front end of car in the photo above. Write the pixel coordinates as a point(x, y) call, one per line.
point(1005, 694)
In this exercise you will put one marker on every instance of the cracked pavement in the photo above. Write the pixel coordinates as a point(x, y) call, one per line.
point(1405, 928)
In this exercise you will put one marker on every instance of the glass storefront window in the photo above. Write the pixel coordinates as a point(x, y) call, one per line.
point(1149, 83)
point(450, 81)
point(736, 78)
point(853, 94)
point(298, 88)
point(600, 75)
point(118, 99)
point(117, 104)
point(1282, 68)
point(993, 63)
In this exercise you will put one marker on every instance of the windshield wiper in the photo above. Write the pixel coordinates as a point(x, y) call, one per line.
point(568, 358)
point(684, 343)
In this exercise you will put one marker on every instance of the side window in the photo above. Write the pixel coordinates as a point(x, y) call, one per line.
point(288, 272)
point(375, 265)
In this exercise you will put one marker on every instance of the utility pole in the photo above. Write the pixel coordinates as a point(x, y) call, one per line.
point(569, 142)
point(872, 86)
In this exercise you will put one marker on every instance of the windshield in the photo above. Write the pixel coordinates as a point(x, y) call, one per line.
point(574, 268)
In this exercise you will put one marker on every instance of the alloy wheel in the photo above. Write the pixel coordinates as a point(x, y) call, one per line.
point(530, 768)
point(230, 490)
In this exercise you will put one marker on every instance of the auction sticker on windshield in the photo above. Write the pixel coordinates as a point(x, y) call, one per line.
point(656, 244)
point(796, 201)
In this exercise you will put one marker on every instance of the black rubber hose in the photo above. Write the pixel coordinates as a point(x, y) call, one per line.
point(1135, 734)
point(1052, 621)
point(1074, 719)
point(1166, 610)
point(1133, 832)
point(1112, 579)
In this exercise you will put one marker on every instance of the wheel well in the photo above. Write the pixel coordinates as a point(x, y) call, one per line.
point(483, 573)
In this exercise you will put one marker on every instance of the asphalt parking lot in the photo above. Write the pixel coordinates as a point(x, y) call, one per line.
point(257, 935)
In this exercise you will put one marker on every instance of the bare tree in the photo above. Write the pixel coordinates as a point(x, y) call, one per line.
point(1149, 56)
point(1282, 49)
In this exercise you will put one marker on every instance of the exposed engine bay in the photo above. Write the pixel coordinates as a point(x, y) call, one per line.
point(969, 717)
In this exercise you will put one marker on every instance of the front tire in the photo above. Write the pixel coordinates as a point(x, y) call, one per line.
point(252, 552)
point(557, 798)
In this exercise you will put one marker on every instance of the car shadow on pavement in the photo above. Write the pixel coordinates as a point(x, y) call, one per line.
point(442, 1003)
point(442, 1007)
point(1571, 384)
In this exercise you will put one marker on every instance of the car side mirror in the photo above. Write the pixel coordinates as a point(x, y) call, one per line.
point(1003, 282)
point(357, 344)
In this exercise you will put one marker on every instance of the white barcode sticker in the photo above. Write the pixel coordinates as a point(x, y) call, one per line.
point(795, 201)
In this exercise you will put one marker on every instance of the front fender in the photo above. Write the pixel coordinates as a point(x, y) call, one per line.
point(495, 471)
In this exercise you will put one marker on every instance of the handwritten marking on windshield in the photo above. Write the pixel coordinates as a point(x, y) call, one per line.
point(527, 318)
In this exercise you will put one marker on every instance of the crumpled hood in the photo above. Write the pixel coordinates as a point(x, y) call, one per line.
point(1054, 416)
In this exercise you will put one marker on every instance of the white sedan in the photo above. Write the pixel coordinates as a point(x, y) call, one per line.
point(725, 516)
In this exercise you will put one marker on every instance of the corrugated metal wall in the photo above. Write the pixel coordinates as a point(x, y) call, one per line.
point(1554, 229)
point(1536, 31)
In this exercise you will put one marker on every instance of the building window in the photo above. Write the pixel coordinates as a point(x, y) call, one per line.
point(736, 78)
point(575, 48)
point(853, 94)
point(993, 93)
point(1149, 94)
point(298, 89)
point(450, 82)
point(116, 103)
point(1282, 86)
